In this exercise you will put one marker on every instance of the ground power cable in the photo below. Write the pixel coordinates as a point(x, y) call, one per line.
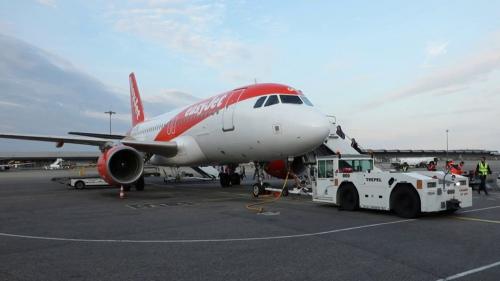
point(259, 210)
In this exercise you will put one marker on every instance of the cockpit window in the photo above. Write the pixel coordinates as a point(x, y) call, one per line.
point(306, 101)
point(272, 100)
point(259, 102)
point(290, 99)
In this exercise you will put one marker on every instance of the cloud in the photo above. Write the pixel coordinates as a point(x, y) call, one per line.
point(466, 72)
point(6, 103)
point(43, 93)
point(191, 28)
point(173, 98)
point(48, 3)
point(435, 49)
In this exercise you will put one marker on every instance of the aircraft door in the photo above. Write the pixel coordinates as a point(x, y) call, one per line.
point(228, 112)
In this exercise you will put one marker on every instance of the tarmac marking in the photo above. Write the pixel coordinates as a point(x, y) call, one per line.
point(204, 240)
point(481, 209)
point(469, 272)
point(475, 219)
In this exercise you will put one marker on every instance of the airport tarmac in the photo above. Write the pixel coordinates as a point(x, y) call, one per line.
point(200, 231)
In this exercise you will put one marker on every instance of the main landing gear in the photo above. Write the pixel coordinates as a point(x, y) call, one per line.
point(229, 177)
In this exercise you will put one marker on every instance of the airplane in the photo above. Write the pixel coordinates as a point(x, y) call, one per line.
point(261, 123)
point(13, 164)
point(412, 161)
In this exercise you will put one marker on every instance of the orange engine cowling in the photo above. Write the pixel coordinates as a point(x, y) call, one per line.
point(279, 168)
point(120, 165)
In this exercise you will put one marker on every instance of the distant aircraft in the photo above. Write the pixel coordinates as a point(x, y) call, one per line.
point(259, 123)
point(13, 164)
point(419, 162)
point(56, 165)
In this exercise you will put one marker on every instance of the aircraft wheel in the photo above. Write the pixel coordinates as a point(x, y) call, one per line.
point(126, 188)
point(139, 184)
point(285, 192)
point(225, 180)
point(256, 190)
point(235, 179)
point(348, 198)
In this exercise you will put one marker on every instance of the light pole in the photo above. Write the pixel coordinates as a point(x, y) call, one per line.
point(110, 113)
point(447, 131)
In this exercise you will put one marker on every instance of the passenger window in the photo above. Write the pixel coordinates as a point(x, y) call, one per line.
point(290, 99)
point(272, 100)
point(306, 100)
point(259, 102)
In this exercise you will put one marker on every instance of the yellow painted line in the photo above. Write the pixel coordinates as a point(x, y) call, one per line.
point(475, 219)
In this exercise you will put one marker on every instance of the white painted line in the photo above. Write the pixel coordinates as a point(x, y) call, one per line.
point(469, 272)
point(477, 210)
point(204, 240)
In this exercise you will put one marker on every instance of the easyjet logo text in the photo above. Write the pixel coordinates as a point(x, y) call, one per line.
point(201, 108)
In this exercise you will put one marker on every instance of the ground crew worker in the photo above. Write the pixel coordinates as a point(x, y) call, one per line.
point(483, 169)
point(431, 166)
point(405, 167)
point(461, 167)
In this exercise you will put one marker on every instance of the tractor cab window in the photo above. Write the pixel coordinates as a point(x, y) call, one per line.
point(355, 165)
point(272, 100)
point(260, 102)
point(290, 99)
point(325, 169)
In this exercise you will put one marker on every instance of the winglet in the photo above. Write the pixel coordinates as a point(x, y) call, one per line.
point(135, 101)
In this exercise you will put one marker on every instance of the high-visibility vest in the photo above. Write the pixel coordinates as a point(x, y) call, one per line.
point(483, 169)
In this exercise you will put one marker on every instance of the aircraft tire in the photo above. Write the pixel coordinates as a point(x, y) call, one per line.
point(285, 192)
point(139, 184)
point(225, 180)
point(235, 179)
point(256, 190)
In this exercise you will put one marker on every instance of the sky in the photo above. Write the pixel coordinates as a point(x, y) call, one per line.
point(396, 74)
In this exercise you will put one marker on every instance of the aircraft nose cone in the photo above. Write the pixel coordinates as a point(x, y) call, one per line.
point(311, 129)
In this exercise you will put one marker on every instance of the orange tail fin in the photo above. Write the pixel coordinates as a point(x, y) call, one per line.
point(135, 101)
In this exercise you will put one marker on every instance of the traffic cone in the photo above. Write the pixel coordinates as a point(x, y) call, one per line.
point(122, 193)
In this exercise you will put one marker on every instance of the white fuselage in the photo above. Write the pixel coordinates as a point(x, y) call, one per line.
point(241, 133)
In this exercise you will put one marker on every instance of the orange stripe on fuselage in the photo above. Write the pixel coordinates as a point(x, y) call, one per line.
point(198, 112)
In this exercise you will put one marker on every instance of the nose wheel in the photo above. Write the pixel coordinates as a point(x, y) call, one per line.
point(259, 189)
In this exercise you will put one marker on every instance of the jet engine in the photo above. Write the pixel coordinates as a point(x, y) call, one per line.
point(279, 168)
point(120, 165)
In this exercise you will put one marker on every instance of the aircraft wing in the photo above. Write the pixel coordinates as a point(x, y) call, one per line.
point(97, 135)
point(163, 148)
point(59, 140)
point(167, 149)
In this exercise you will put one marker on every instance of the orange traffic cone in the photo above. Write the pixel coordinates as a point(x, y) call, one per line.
point(122, 193)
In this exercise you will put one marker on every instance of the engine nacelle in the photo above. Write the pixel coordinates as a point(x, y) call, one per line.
point(279, 168)
point(120, 165)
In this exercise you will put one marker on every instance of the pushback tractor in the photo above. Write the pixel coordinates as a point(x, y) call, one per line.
point(353, 182)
